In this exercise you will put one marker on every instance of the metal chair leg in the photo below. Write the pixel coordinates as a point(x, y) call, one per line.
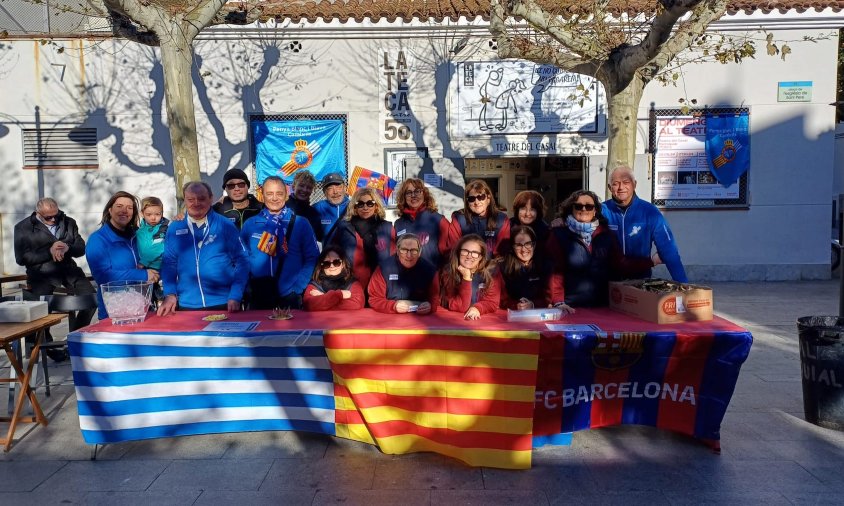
point(46, 371)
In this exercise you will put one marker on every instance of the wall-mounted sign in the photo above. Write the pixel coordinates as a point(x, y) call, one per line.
point(794, 91)
point(397, 121)
point(519, 97)
point(697, 168)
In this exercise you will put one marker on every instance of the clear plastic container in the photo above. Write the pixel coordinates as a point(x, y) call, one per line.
point(126, 301)
point(535, 315)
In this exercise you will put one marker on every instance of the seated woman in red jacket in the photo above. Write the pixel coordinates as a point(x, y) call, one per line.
point(405, 282)
point(468, 282)
point(527, 276)
point(333, 286)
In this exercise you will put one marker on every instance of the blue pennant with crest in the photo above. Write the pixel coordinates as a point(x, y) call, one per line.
point(728, 146)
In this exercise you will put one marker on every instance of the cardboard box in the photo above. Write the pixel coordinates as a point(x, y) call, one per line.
point(671, 307)
point(14, 311)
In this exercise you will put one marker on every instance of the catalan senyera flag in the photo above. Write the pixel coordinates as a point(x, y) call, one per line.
point(465, 394)
point(362, 178)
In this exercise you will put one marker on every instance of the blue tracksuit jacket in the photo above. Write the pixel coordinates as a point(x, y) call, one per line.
point(299, 261)
point(112, 258)
point(204, 270)
point(640, 225)
point(329, 213)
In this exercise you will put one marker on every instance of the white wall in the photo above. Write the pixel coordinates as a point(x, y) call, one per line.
point(113, 86)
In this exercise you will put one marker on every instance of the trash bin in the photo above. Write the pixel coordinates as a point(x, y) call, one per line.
point(822, 364)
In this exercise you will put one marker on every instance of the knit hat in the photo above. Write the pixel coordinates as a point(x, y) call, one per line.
point(332, 178)
point(235, 174)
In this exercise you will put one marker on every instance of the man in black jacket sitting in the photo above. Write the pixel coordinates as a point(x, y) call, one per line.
point(46, 244)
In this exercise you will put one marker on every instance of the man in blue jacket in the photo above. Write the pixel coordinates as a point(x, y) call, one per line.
point(282, 251)
point(333, 207)
point(205, 265)
point(639, 224)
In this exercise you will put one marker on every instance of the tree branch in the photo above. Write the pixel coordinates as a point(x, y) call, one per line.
point(141, 13)
point(122, 26)
point(199, 17)
point(550, 23)
point(241, 14)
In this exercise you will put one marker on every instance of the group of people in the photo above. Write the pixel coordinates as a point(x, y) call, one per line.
point(342, 253)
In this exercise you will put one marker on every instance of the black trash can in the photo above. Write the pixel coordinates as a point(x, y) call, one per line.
point(822, 364)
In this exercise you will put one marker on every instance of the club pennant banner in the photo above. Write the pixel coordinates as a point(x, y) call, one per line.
point(362, 178)
point(728, 146)
point(284, 147)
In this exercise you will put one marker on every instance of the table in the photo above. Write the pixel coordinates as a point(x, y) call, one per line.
point(485, 392)
point(9, 334)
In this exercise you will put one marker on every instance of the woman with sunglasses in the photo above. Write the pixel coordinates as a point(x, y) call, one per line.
point(528, 280)
point(405, 282)
point(332, 285)
point(419, 216)
point(468, 281)
point(480, 215)
point(529, 210)
point(586, 253)
point(364, 236)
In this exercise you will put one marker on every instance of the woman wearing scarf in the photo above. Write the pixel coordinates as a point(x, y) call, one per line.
point(480, 215)
point(419, 216)
point(112, 251)
point(586, 252)
point(282, 251)
point(332, 285)
point(364, 236)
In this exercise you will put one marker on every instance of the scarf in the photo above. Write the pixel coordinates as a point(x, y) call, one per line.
point(583, 230)
point(268, 243)
point(412, 213)
point(368, 232)
point(329, 283)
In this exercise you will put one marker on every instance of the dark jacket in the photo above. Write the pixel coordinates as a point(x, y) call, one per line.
point(238, 216)
point(32, 249)
point(306, 210)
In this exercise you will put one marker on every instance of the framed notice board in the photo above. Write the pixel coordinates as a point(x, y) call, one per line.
point(701, 157)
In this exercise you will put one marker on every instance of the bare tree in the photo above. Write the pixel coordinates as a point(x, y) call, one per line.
point(173, 26)
point(624, 50)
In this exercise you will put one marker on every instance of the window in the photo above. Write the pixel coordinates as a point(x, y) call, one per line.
point(60, 148)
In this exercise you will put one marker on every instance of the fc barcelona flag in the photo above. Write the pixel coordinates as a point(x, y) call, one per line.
point(673, 381)
point(362, 178)
point(465, 394)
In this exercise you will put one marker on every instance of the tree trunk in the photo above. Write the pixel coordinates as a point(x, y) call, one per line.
point(177, 59)
point(622, 125)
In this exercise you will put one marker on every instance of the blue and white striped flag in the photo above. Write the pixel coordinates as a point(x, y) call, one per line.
point(133, 386)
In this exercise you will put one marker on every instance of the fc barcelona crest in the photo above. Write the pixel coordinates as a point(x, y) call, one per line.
point(618, 350)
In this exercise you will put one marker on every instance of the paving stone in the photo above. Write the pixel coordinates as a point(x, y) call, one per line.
point(220, 474)
point(376, 498)
point(425, 471)
point(816, 499)
point(349, 473)
point(175, 498)
point(610, 498)
point(552, 479)
point(766, 497)
point(277, 445)
point(104, 476)
point(252, 498)
point(641, 476)
point(43, 498)
point(487, 497)
point(25, 476)
point(206, 446)
point(783, 476)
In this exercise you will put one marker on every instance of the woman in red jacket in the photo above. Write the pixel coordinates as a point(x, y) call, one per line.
point(405, 282)
point(333, 286)
point(480, 215)
point(468, 281)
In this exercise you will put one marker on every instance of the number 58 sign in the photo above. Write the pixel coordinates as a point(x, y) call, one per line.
point(397, 122)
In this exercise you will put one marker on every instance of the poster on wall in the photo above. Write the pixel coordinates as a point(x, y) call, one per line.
point(519, 97)
point(283, 147)
point(701, 158)
point(397, 121)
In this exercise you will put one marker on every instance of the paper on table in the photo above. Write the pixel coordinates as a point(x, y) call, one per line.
point(224, 326)
point(573, 327)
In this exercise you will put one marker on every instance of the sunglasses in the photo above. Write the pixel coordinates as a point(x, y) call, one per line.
point(479, 198)
point(364, 203)
point(331, 263)
point(232, 186)
point(49, 218)
point(584, 207)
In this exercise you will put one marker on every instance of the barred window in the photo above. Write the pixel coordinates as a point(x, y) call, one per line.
point(60, 148)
